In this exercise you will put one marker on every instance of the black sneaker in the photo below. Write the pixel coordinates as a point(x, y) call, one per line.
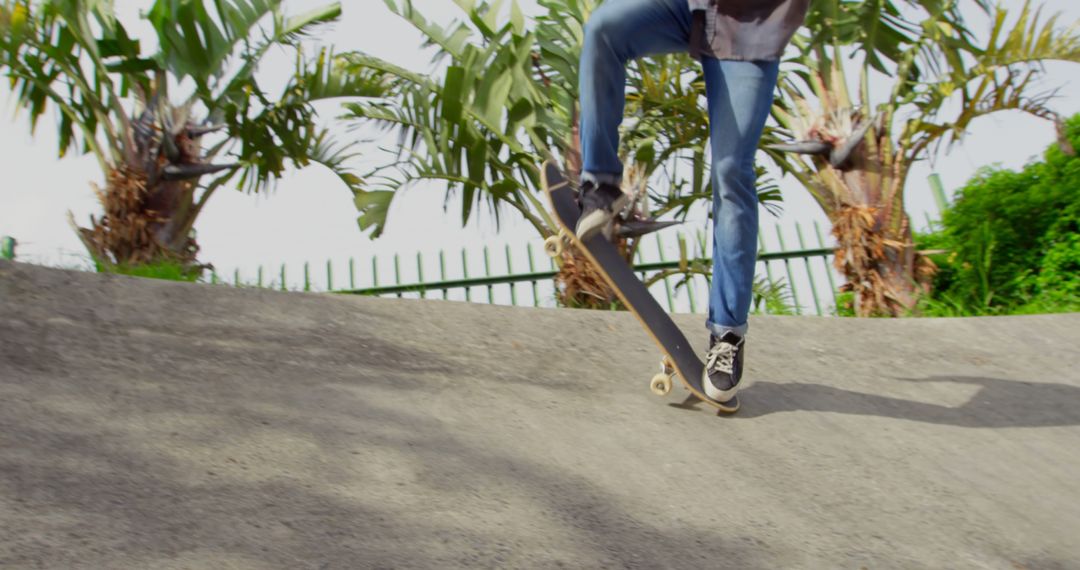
point(599, 204)
point(723, 367)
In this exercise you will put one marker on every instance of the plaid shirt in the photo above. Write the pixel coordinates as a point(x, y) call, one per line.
point(752, 30)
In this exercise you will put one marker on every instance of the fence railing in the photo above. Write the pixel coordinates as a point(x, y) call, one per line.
point(804, 268)
point(795, 269)
point(426, 287)
point(801, 272)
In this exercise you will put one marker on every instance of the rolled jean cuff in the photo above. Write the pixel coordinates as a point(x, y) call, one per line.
point(598, 178)
point(720, 330)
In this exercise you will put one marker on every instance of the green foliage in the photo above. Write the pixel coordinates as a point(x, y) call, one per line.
point(940, 76)
point(7, 248)
point(480, 129)
point(943, 77)
point(845, 304)
point(507, 101)
point(1059, 277)
point(164, 270)
point(158, 122)
point(1012, 240)
point(771, 298)
point(614, 305)
point(77, 57)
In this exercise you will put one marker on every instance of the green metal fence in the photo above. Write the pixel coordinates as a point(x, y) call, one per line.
point(804, 271)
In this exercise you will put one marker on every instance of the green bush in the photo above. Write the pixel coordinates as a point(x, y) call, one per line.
point(1057, 285)
point(1011, 240)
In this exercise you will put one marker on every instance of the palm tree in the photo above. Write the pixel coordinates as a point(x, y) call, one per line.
point(858, 150)
point(486, 126)
point(508, 101)
point(170, 128)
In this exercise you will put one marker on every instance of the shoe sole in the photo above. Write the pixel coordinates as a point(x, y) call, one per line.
point(592, 224)
point(721, 396)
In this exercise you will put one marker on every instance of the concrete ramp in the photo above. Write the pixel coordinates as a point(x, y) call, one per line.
point(156, 425)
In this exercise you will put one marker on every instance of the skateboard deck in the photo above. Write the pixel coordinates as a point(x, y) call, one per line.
point(679, 356)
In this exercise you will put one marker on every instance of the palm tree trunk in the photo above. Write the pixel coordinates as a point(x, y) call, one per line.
point(139, 224)
point(881, 267)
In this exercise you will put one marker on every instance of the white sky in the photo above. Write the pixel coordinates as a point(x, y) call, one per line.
point(311, 216)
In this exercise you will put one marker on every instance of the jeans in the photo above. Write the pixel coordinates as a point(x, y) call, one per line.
point(740, 97)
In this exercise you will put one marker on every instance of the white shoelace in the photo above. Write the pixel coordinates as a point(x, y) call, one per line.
point(721, 357)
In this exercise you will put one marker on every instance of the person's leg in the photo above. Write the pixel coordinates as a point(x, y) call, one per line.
point(740, 96)
point(618, 31)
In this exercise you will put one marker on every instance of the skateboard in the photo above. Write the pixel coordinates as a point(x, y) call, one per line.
point(679, 358)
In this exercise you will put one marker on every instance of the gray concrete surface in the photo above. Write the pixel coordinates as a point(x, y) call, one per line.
point(148, 424)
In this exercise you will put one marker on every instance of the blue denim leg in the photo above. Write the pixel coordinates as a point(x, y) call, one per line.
point(740, 96)
point(618, 31)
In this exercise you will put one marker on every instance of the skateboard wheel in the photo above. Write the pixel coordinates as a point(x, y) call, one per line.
point(660, 385)
point(553, 246)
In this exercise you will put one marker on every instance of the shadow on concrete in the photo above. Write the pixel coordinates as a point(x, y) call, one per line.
point(139, 508)
point(998, 403)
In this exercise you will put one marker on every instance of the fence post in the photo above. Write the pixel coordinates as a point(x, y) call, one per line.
point(7, 248)
point(284, 287)
point(442, 270)
point(420, 273)
point(352, 274)
point(939, 193)
point(307, 277)
point(809, 272)
point(667, 286)
point(532, 269)
point(487, 273)
point(787, 267)
point(465, 273)
point(397, 273)
point(704, 254)
point(510, 271)
point(764, 250)
point(828, 269)
point(684, 257)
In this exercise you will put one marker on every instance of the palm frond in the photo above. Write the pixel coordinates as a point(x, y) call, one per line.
point(330, 76)
point(302, 26)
